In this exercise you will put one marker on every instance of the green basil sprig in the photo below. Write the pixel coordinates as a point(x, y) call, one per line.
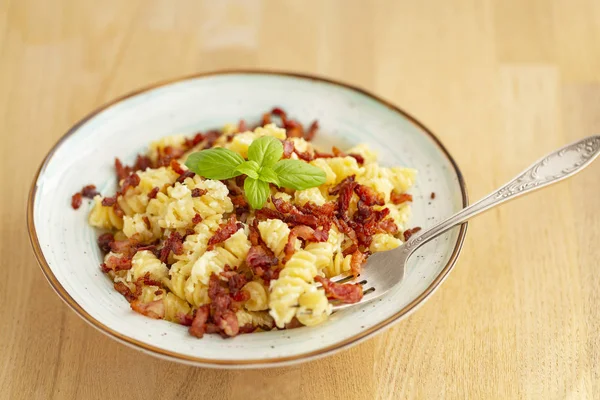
point(264, 166)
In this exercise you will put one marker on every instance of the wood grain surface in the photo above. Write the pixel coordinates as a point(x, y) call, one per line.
point(500, 82)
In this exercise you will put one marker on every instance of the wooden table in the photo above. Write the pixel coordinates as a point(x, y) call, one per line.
point(501, 83)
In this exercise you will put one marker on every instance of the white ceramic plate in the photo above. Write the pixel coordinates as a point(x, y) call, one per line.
point(66, 248)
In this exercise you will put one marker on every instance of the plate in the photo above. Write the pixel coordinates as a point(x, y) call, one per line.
point(65, 245)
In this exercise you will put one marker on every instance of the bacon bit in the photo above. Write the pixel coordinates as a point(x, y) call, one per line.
point(104, 241)
point(198, 325)
point(288, 148)
point(294, 129)
point(345, 182)
point(369, 195)
point(409, 232)
point(197, 192)
point(130, 182)
point(185, 175)
point(154, 309)
point(142, 163)
point(270, 274)
point(127, 247)
point(359, 159)
point(248, 328)
point(147, 280)
point(345, 292)
point(242, 126)
point(324, 211)
point(259, 260)
point(189, 143)
point(109, 201)
point(254, 234)
point(350, 250)
point(184, 319)
point(152, 194)
point(227, 323)
point(366, 222)
point(432, 196)
point(241, 296)
point(345, 196)
point(225, 231)
point(293, 324)
point(175, 166)
point(125, 291)
point(189, 231)
point(114, 263)
point(123, 171)
point(399, 198)
point(76, 201)
point(388, 225)
point(197, 219)
point(210, 138)
point(235, 282)
point(89, 191)
point(305, 233)
point(312, 131)
point(357, 261)
point(168, 153)
point(174, 243)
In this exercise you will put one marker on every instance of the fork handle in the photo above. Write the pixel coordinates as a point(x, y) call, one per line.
point(556, 166)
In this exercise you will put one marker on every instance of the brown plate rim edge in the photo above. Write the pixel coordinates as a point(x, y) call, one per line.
point(66, 297)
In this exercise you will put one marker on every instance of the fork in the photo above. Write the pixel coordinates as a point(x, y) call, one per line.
point(386, 269)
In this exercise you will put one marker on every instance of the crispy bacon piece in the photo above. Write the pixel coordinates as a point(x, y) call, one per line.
point(184, 319)
point(312, 131)
point(235, 282)
point(76, 200)
point(125, 291)
point(147, 280)
point(227, 322)
point(409, 232)
point(349, 180)
point(185, 175)
point(345, 292)
point(260, 260)
point(174, 243)
point(122, 170)
point(324, 211)
point(368, 195)
point(293, 129)
point(198, 326)
point(154, 309)
point(175, 166)
point(104, 241)
point(197, 192)
point(130, 181)
point(198, 137)
point(359, 159)
point(388, 225)
point(345, 193)
point(432, 196)
point(225, 231)
point(305, 233)
point(366, 222)
point(288, 148)
point(356, 262)
point(197, 219)
point(109, 201)
point(127, 247)
point(399, 198)
point(152, 194)
point(248, 328)
point(350, 249)
point(89, 191)
point(168, 153)
point(114, 263)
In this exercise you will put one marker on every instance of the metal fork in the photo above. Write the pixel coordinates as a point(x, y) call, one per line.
point(385, 270)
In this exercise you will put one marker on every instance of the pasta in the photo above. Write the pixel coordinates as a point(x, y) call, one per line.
point(191, 250)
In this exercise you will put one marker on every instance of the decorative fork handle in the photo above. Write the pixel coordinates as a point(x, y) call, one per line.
point(555, 167)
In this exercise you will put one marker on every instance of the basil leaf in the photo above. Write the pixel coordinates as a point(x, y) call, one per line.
point(217, 163)
point(266, 151)
point(257, 192)
point(249, 168)
point(267, 174)
point(298, 175)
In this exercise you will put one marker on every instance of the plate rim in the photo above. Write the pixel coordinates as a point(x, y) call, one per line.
point(209, 362)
